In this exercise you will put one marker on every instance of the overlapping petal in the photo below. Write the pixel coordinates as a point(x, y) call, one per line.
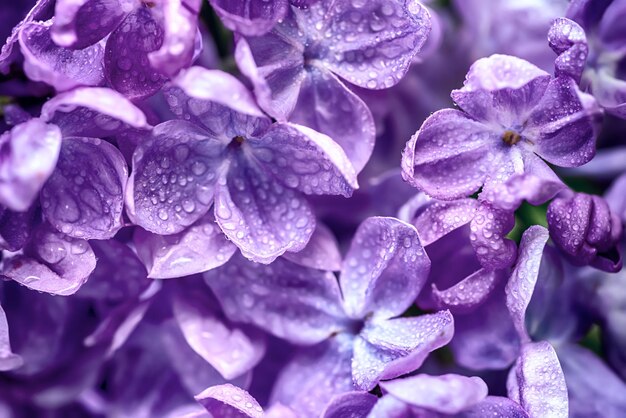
point(470, 292)
point(228, 401)
point(250, 17)
point(321, 252)
point(350, 404)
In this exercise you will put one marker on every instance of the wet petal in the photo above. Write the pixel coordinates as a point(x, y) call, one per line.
point(567, 39)
point(127, 66)
point(8, 360)
point(261, 216)
point(521, 285)
point(30, 155)
point(199, 248)
point(438, 219)
point(299, 304)
point(173, 177)
point(305, 160)
point(321, 252)
point(488, 236)
point(62, 68)
point(496, 407)
point(81, 23)
point(448, 393)
point(384, 269)
point(53, 263)
point(391, 348)
point(541, 388)
point(351, 404)
point(469, 293)
point(84, 196)
point(250, 17)
point(450, 156)
point(228, 401)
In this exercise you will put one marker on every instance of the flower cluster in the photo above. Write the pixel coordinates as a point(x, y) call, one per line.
point(312, 208)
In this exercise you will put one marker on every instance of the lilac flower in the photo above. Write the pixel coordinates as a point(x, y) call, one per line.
point(224, 152)
point(296, 66)
point(357, 339)
point(131, 45)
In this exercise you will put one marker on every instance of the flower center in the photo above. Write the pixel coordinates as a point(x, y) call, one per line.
point(237, 141)
point(511, 137)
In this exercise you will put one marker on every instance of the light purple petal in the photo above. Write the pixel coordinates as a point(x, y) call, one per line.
point(30, 153)
point(488, 236)
point(384, 269)
point(494, 407)
point(228, 401)
point(127, 66)
point(296, 303)
point(306, 160)
point(392, 407)
point(450, 156)
point(250, 17)
point(8, 360)
point(198, 248)
point(53, 263)
point(438, 219)
point(567, 39)
point(172, 183)
point(368, 43)
point(448, 393)
point(81, 23)
point(232, 350)
point(540, 382)
point(351, 404)
point(260, 215)
point(84, 196)
point(469, 293)
point(321, 252)
point(521, 285)
point(391, 348)
point(62, 68)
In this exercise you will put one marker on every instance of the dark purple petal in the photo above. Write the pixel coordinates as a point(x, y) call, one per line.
point(539, 383)
point(489, 228)
point(351, 404)
point(448, 393)
point(250, 17)
point(232, 350)
point(390, 348)
point(438, 219)
point(16, 228)
point(469, 293)
point(127, 66)
point(321, 252)
point(521, 285)
point(8, 360)
point(173, 178)
point(306, 160)
point(450, 157)
point(611, 30)
point(299, 304)
point(495, 407)
point(228, 401)
point(260, 215)
point(93, 112)
point(62, 68)
point(616, 197)
point(81, 23)
point(314, 375)
point(53, 263)
point(384, 269)
point(84, 196)
point(567, 39)
point(29, 156)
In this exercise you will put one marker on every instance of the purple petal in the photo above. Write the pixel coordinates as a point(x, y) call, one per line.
point(8, 360)
point(305, 160)
point(53, 263)
point(93, 112)
point(567, 39)
point(448, 393)
point(81, 23)
point(489, 228)
point(127, 66)
point(611, 31)
point(84, 196)
point(469, 293)
point(449, 157)
point(370, 44)
point(173, 177)
point(199, 248)
point(261, 216)
point(391, 348)
point(62, 68)
point(351, 404)
point(16, 228)
point(262, 294)
point(315, 375)
point(438, 219)
point(495, 407)
point(232, 350)
point(321, 252)
point(540, 382)
point(384, 269)
point(616, 197)
point(250, 17)
point(519, 289)
point(30, 153)
point(391, 407)
point(228, 401)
